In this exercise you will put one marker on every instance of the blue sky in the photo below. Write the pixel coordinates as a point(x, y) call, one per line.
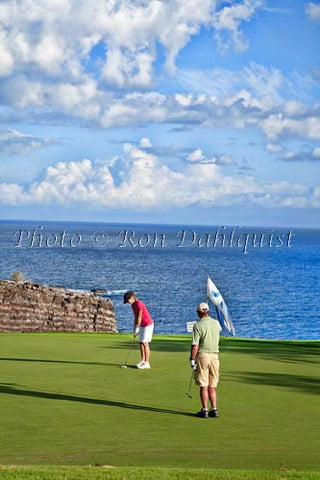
point(172, 111)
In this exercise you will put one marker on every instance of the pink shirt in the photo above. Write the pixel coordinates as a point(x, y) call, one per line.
point(146, 317)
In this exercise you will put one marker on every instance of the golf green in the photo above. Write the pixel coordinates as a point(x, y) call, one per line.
point(65, 400)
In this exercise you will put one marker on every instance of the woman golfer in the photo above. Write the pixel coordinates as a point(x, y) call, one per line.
point(143, 325)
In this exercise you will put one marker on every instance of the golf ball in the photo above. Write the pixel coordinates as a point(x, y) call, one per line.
point(124, 366)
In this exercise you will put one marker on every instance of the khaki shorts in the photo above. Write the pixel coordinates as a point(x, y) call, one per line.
point(207, 373)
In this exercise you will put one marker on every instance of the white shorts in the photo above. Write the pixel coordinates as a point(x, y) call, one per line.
point(145, 334)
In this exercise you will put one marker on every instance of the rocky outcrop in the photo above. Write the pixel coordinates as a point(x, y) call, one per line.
point(32, 307)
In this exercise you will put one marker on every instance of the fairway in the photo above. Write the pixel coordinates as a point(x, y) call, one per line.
point(65, 400)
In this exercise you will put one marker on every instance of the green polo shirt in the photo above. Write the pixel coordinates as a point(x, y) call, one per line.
point(206, 334)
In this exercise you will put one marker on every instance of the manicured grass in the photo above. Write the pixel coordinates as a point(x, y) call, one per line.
point(66, 401)
point(133, 473)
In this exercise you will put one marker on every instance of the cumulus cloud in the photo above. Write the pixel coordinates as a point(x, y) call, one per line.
point(145, 143)
point(251, 97)
point(58, 39)
point(146, 183)
point(197, 156)
point(93, 63)
point(87, 101)
point(277, 125)
point(13, 142)
point(125, 68)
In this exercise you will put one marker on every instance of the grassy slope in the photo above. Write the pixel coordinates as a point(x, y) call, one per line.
point(66, 401)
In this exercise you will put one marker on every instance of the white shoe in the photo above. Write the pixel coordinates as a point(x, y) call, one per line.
point(146, 365)
point(143, 365)
point(139, 365)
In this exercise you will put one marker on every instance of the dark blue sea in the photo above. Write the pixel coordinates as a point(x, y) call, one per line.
point(269, 278)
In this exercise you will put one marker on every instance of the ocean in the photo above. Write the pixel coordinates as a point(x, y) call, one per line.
point(269, 277)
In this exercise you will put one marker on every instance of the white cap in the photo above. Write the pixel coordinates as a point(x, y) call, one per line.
point(203, 307)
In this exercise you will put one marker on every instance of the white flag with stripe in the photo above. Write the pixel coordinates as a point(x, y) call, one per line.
point(221, 308)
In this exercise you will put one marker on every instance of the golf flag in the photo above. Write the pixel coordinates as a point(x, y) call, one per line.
point(215, 296)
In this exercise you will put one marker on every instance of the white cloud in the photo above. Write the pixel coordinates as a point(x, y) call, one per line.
point(6, 58)
point(147, 183)
point(276, 125)
point(229, 19)
point(55, 39)
point(264, 87)
point(274, 148)
point(86, 102)
point(145, 143)
point(128, 69)
point(45, 64)
point(295, 108)
point(13, 142)
point(13, 194)
point(303, 155)
point(313, 11)
point(245, 107)
point(198, 157)
point(251, 98)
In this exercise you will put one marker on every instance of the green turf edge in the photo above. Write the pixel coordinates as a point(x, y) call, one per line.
point(134, 473)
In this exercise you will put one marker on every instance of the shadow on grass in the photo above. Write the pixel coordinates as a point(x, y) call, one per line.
point(283, 351)
point(40, 360)
point(158, 345)
point(10, 389)
point(298, 382)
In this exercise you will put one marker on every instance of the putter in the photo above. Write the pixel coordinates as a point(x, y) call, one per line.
point(124, 365)
point(188, 394)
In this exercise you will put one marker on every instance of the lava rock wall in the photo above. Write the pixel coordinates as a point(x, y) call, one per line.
point(32, 307)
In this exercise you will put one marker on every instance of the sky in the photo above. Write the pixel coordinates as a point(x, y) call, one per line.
point(160, 111)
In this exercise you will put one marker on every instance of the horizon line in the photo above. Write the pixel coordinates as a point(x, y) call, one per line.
point(170, 224)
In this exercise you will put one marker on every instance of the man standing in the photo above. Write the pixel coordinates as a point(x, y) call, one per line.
point(143, 326)
point(204, 359)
